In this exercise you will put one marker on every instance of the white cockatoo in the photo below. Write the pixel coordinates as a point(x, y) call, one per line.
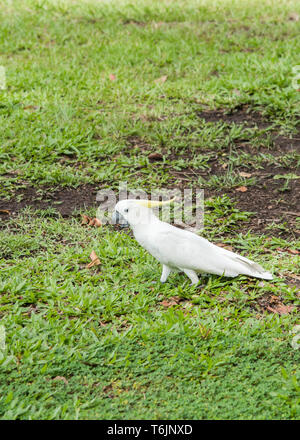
point(181, 250)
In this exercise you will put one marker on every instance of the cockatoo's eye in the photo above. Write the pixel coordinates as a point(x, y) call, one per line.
point(126, 210)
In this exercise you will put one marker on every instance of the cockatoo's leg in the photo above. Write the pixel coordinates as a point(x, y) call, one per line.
point(165, 273)
point(192, 276)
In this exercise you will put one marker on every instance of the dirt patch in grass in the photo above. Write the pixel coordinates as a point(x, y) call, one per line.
point(65, 200)
point(275, 201)
point(286, 145)
point(275, 212)
point(294, 281)
point(244, 115)
point(139, 143)
point(241, 114)
point(270, 303)
point(275, 209)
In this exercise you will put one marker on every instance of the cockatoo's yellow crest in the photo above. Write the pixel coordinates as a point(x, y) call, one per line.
point(154, 203)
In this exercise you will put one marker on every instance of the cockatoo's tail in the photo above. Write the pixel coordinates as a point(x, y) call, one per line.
point(181, 250)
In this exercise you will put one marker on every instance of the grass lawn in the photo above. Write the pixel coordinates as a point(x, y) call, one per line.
point(161, 94)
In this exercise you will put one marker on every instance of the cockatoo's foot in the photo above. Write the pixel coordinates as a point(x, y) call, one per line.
point(165, 273)
point(192, 276)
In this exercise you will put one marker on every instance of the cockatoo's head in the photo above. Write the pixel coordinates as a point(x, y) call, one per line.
point(133, 212)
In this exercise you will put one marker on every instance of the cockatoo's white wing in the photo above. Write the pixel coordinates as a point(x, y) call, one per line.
point(182, 249)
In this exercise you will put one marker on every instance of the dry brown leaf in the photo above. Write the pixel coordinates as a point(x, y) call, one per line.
point(290, 251)
point(95, 260)
point(241, 189)
point(91, 221)
point(293, 251)
point(61, 378)
point(224, 166)
point(30, 107)
point(97, 222)
point(162, 79)
point(171, 301)
point(85, 219)
point(4, 211)
point(280, 309)
point(155, 156)
point(243, 174)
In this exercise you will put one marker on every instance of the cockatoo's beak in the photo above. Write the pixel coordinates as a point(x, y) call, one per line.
point(118, 219)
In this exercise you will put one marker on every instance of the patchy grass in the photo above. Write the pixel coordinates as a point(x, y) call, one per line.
point(107, 342)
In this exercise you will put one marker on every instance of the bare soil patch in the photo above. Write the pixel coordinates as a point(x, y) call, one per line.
point(275, 202)
point(241, 114)
point(270, 303)
point(270, 206)
point(65, 200)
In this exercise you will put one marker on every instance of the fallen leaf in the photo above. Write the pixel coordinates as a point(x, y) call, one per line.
point(293, 251)
point(61, 378)
point(171, 301)
point(91, 221)
point(4, 211)
point(97, 222)
point(95, 260)
point(112, 77)
point(85, 219)
point(224, 166)
point(155, 156)
point(290, 251)
point(162, 79)
point(280, 309)
point(241, 189)
point(242, 174)
point(30, 107)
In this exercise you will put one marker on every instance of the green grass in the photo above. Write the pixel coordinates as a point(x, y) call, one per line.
point(122, 354)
